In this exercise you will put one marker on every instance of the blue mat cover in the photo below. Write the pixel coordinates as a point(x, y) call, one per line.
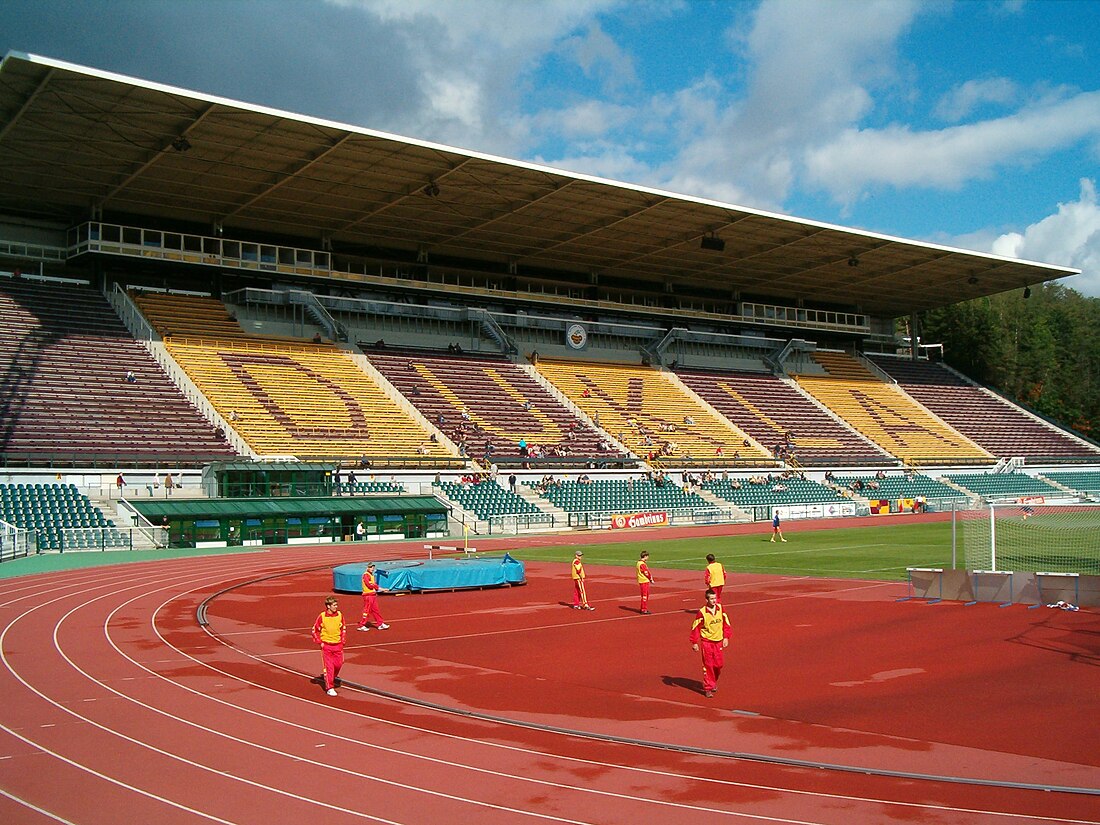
point(432, 574)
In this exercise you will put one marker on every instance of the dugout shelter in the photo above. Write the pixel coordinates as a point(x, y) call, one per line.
point(303, 520)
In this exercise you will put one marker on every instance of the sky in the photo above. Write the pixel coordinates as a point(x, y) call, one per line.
point(971, 124)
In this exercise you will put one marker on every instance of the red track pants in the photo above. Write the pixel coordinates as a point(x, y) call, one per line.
point(370, 610)
point(644, 588)
point(580, 597)
point(713, 660)
point(333, 658)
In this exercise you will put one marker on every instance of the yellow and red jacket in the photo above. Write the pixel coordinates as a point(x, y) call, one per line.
point(715, 575)
point(370, 582)
point(578, 569)
point(644, 576)
point(711, 624)
point(329, 628)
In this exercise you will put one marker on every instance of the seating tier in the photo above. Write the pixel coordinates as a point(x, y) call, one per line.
point(62, 516)
point(286, 398)
point(647, 412)
point(478, 401)
point(618, 496)
point(1005, 485)
point(65, 356)
point(1002, 428)
point(884, 414)
point(781, 491)
point(895, 486)
point(770, 410)
point(487, 499)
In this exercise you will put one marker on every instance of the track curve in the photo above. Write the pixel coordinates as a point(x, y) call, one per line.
point(115, 694)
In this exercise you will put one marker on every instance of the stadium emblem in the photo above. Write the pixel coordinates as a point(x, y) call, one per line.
point(576, 336)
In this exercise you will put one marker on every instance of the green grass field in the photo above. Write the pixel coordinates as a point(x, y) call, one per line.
point(858, 552)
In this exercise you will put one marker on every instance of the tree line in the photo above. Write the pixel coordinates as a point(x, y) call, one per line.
point(1042, 351)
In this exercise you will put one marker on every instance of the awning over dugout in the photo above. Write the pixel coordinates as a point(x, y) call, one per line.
point(156, 511)
point(77, 142)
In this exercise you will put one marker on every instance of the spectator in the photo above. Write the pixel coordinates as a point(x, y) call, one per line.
point(130, 377)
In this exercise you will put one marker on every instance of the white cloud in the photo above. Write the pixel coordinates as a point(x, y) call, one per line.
point(1069, 237)
point(587, 119)
point(469, 60)
point(948, 158)
point(812, 66)
point(599, 55)
point(965, 98)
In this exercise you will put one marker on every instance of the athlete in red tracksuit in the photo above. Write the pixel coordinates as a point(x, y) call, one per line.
point(370, 601)
point(329, 632)
point(710, 632)
point(580, 597)
point(715, 576)
point(645, 579)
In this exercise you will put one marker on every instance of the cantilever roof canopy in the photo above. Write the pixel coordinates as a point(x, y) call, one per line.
point(73, 139)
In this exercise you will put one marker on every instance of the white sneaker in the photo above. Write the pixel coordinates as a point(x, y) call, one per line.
point(331, 691)
point(364, 629)
point(383, 626)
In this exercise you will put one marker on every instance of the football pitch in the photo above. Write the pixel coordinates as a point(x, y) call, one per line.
point(881, 552)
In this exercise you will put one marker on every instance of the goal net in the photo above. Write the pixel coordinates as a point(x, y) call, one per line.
point(1021, 537)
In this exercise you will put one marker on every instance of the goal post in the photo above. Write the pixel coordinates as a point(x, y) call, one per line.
point(1030, 537)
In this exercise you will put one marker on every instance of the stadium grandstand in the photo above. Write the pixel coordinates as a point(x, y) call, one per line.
point(200, 295)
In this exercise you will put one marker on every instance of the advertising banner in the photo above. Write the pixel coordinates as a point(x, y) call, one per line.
point(632, 520)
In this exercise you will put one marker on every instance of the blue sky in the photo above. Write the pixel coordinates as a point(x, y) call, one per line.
point(972, 124)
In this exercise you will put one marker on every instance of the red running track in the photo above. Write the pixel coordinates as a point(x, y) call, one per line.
point(117, 703)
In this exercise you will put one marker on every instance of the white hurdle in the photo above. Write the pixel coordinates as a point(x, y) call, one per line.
point(448, 548)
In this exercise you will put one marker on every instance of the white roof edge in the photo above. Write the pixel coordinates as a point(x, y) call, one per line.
point(281, 113)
